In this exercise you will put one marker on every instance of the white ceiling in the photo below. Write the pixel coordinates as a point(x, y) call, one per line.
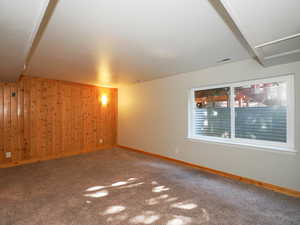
point(116, 41)
point(112, 42)
point(19, 21)
point(266, 20)
point(272, 28)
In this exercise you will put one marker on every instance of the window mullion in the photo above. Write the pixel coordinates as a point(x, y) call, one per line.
point(232, 113)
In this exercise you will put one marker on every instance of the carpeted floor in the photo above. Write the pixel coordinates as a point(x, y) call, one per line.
point(122, 187)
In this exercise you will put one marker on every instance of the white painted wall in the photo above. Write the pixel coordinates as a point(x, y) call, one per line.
point(153, 116)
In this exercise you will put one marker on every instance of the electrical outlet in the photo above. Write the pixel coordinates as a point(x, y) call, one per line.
point(100, 140)
point(7, 154)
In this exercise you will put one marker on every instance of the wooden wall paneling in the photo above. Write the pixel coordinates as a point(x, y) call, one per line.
point(69, 119)
point(94, 115)
point(111, 123)
point(42, 107)
point(27, 118)
point(14, 131)
point(64, 122)
point(104, 114)
point(50, 119)
point(81, 122)
point(67, 129)
point(72, 121)
point(34, 115)
point(81, 119)
point(58, 137)
point(98, 122)
point(52, 115)
point(7, 121)
point(2, 123)
point(106, 117)
point(83, 115)
point(40, 123)
point(75, 92)
point(85, 99)
point(101, 120)
point(109, 116)
point(20, 116)
point(90, 119)
point(48, 102)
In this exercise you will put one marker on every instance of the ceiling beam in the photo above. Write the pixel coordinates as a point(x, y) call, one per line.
point(225, 11)
point(41, 24)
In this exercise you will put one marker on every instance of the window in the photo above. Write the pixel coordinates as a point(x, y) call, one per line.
point(258, 113)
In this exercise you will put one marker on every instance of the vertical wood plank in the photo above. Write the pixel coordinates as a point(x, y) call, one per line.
point(47, 118)
point(58, 120)
point(14, 133)
point(35, 118)
point(20, 115)
point(2, 123)
point(27, 118)
point(7, 121)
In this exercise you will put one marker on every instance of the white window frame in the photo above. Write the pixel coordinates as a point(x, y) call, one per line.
point(288, 146)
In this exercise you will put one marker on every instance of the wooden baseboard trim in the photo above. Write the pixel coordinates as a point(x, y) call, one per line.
point(268, 186)
point(64, 155)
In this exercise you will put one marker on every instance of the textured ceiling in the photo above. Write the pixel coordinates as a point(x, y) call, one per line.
point(114, 42)
point(109, 42)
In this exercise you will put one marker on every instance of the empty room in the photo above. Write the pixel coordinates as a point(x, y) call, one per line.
point(161, 112)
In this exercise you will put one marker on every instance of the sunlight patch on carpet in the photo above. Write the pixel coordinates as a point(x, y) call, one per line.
point(160, 189)
point(95, 188)
point(114, 209)
point(179, 220)
point(184, 205)
point(98, 194)
point(147, 217)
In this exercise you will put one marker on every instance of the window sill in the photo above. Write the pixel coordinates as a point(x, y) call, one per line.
point(243, 145)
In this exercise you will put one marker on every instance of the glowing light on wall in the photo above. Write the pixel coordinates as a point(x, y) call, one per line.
point(104, 99)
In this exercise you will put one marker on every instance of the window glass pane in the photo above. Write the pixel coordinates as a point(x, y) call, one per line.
point(212, 112)
point(261, 111)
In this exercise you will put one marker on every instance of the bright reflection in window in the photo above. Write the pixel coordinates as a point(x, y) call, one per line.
point(98, 194)
point(160, 189)
point(147, 217)
point(184, 205)
point(95, 188)
point(114, 209)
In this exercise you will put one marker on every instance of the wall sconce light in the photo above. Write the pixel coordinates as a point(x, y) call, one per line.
point(104, 99)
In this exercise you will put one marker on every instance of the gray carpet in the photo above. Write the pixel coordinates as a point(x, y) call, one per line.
point(122, 187)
